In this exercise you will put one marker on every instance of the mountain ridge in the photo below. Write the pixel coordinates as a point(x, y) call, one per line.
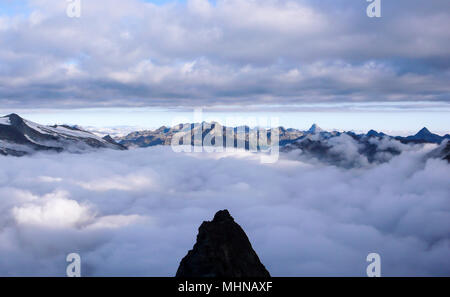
point(19, 137)
point(147, 137)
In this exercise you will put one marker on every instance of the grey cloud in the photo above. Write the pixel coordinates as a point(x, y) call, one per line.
point(135, 53)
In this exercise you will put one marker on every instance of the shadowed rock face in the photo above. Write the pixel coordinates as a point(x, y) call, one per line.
point(222, 250)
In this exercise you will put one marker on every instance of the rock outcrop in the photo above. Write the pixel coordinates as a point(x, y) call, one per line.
point(222, 250)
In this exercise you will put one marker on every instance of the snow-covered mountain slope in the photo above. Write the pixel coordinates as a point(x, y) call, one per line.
point(20, 137)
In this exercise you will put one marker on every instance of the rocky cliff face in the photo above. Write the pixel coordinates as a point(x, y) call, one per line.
point(222, 250)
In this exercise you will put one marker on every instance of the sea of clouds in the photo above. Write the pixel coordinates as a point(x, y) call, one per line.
point(136, 213)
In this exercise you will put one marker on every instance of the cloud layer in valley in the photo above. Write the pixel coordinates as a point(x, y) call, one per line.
point(134, 53)
point(137, 212)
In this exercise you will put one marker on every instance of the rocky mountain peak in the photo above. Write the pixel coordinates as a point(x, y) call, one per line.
point(222, 250)
point(222, 216)
point(424, 131)
point(315, 129)
point(14, 119)
point(372, 133)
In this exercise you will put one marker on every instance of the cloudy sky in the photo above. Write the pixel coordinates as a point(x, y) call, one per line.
point(228, 55)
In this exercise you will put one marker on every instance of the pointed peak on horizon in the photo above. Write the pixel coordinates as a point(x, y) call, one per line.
point(107, 137)
point(424, 130)
point(13, 119)
point(315, 129)
point(372, 132)
point(14, 115)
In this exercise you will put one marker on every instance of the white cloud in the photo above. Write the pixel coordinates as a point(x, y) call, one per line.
point(53, 210)
point(132, 182)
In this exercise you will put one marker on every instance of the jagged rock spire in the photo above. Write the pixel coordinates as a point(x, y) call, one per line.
point(222, 250)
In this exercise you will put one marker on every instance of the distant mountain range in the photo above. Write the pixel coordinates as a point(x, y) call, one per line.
point(164, 135)
point(20, 137)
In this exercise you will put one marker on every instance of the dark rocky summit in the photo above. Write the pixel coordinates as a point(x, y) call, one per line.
point(222, 250)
